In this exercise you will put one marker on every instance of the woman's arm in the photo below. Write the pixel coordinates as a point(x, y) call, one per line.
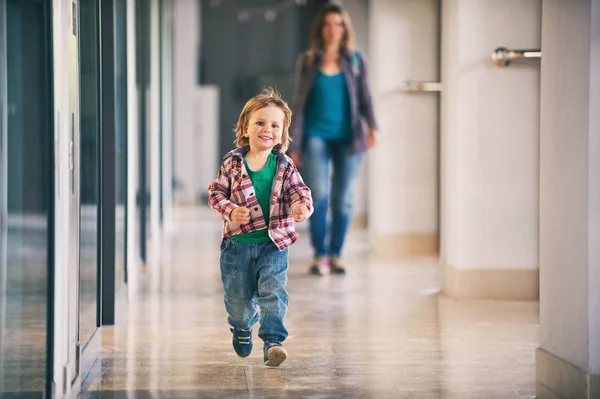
point(366, 101)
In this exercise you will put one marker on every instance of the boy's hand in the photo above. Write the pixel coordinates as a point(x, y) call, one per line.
point(240, 215)
point(299, 212)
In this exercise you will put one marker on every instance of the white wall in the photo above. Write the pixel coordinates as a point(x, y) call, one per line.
point(154, 125)
point(490, 135)
point(593, 283)
point(570, 183)
point(167, 112)
point(186, 32)
point(133, 258)
point(207, 132)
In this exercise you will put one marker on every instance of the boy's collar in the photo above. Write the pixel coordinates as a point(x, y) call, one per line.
point(241, 151)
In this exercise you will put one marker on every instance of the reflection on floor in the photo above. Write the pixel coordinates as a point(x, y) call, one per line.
point(23, 347)
point(381, 331)
point(23, 307)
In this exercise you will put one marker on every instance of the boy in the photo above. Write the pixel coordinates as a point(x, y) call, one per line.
point(260, 195)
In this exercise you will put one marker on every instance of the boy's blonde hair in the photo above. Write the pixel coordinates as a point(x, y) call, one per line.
point(267, 97)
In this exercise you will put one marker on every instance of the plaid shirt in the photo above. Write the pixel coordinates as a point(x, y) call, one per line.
point(233, 188)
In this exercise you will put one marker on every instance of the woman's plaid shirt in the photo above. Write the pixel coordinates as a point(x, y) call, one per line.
point(233, 188)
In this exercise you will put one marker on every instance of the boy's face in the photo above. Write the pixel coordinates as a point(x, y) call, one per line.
point(265, 128)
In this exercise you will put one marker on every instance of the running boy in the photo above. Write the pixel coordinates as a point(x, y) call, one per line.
point(259, 194)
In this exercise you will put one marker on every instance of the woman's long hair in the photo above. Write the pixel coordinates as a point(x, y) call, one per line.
point(316, 37)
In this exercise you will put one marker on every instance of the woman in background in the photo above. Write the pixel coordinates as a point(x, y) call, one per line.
point(333, 124)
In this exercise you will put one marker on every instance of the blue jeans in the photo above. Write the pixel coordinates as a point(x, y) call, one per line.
point(255, 274)
point(327, 237)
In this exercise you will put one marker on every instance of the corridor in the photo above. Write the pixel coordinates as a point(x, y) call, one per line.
point(381, 331)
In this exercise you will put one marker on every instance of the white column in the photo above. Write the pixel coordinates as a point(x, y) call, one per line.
point(568, 360)
point(185, 38)
point(154, 119)
point(489, 150)
point(167, 105)
point(133, 258)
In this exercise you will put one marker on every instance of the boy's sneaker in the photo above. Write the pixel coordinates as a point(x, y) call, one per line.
point(242, 342)
point(275, 354)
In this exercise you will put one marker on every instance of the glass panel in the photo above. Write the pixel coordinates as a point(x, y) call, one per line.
point(120, 141)
point(89, 178)
point(142, 20)
point(26, 197)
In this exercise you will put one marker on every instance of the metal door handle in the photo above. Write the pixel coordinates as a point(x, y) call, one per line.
point(1, 126)
point(503, 57)
point(72, 153)
point(413, 86)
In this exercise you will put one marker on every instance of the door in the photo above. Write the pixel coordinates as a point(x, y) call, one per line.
point(73, 253)
point(121, 111)
point(26, 201)
point(405, 79)
point(89, 182)
point(3, 163)
point(142, 21)
point(73, 363)
point(3, 189)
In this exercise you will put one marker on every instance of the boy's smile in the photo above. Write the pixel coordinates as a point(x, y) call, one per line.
point(265, 128)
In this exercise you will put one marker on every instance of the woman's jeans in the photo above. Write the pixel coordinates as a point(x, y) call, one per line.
point(328, 236)
point(255, 274)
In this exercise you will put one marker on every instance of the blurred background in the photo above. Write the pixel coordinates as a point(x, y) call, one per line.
point(475, 218)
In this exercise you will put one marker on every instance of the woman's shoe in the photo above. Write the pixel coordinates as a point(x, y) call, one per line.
point(336, 266)
point(318, 266)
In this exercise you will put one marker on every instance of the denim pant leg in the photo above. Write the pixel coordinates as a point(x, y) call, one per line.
point(239, 283)
point(345, 169)
point(316, 158)
point(272, 297)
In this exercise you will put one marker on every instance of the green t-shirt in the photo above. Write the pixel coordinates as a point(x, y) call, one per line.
point(262, 180)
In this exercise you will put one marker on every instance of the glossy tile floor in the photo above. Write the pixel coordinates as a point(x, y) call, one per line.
point(23, 308)
point(381, 331)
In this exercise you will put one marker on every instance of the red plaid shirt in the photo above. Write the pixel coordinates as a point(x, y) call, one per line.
point(233, 188)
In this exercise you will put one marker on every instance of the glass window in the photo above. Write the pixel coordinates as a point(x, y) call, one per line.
point(120, 142)
point(142, 20)
point(90, 176)
point(26, 196)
